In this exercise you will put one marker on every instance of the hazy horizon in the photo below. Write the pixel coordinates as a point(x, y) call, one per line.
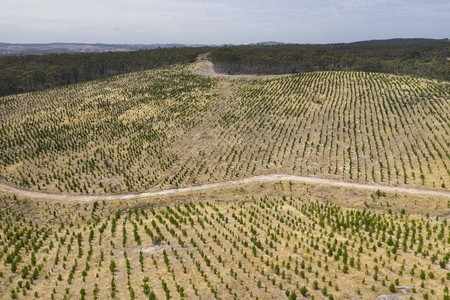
point(206, 44)
point(221, 22)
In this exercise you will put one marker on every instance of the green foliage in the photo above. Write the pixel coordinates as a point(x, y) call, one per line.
point(293, 296)
point(425, 58)
point(218, 255)
point(127, 133)
point(112, 266)
point(35, 72)
point(304, 291)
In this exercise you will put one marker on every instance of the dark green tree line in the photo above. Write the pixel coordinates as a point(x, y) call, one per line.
point(35, 72)
point(418, 57)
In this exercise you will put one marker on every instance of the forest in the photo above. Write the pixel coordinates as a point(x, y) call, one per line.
point(418, 57)
point(36, 72)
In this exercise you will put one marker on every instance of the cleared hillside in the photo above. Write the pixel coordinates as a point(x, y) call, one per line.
point(330, 234)
point(278, 247)
point(169, 127)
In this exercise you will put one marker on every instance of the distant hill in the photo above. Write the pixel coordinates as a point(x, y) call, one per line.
point(70, 48)
point(399, 41)
point(51, 48)
point(269, 43)
point(54, 48)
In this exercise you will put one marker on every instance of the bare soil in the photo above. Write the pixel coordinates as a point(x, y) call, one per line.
point(256, 179)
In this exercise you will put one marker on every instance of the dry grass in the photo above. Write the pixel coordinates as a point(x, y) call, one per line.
point(168, 127)
point(228, 243)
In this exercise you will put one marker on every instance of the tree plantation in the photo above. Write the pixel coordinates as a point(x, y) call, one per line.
point(168, 128)
point(271, 247)
point(181, 183)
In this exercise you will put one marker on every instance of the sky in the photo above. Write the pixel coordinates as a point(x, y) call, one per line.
point(220, 22)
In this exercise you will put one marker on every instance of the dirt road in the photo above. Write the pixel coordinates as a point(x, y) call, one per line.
point(257, 179)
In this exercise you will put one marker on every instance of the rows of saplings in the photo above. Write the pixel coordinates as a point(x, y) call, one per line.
point(282, 248)
point(344, 125)
point(130, 133)
point(75, 139)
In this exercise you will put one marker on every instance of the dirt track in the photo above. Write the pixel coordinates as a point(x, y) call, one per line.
point(264, 178)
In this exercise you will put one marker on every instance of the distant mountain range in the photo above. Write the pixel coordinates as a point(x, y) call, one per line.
point(24, 49)
point(47, 48)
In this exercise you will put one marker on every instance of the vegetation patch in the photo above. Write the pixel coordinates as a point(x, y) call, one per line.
point(169, 128)
point(278, 247)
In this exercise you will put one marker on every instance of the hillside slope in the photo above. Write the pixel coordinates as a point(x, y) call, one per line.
point(169, 127)
point(179, 149)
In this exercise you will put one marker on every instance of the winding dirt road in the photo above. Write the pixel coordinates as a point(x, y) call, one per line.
point(264, 178)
